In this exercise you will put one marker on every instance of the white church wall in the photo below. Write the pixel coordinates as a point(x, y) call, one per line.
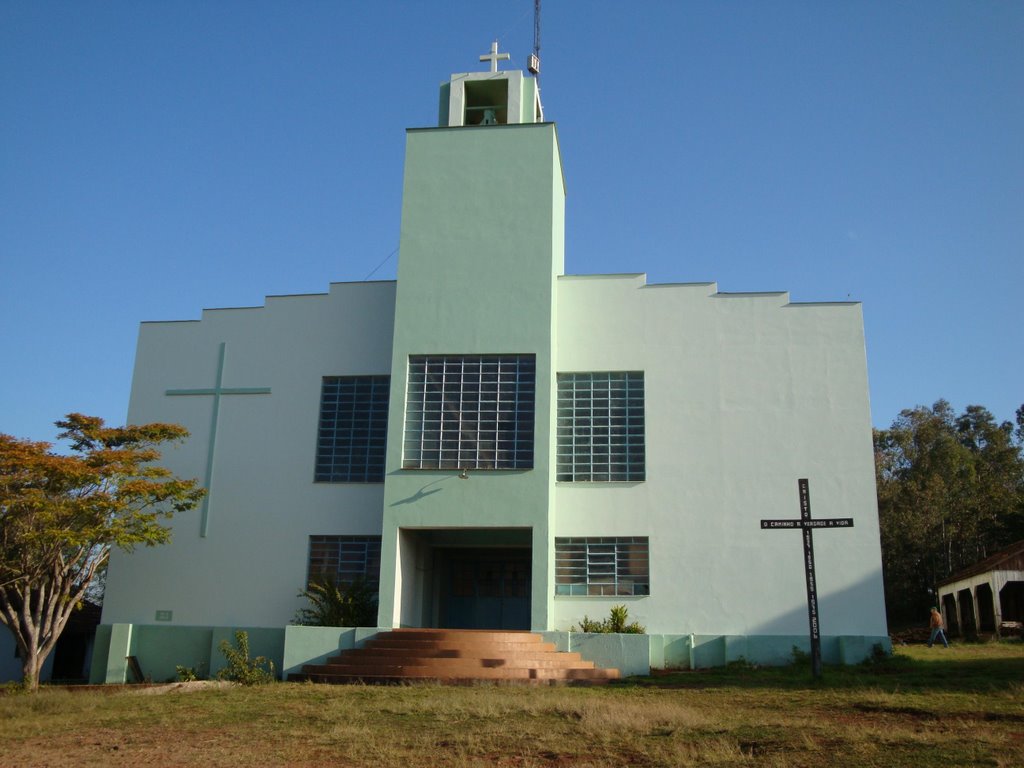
point(264, 504)
point(744, 394)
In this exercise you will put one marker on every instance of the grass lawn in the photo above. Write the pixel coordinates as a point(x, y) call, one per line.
point(923, 707)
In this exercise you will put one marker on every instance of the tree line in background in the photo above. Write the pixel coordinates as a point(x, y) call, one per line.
point(950, 493)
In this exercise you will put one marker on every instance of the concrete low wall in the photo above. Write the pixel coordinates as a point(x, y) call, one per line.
point(702, 651)
point(638, 654)
point(313, 645)
point(160, 649)
point(630, 654)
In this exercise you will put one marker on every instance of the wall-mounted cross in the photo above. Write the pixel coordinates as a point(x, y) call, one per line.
point(216, 391)
point(808, 525)
point(494, 57)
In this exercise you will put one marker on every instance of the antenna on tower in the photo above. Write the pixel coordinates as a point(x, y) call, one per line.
point(533, 64)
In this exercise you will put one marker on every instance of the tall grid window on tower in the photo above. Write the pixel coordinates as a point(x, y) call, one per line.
point(601, 427)
point(602, 566)
point(470, 412)
point(352, 436)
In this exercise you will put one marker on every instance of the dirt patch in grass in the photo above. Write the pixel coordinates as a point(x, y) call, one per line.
point(911, 712)
point(192, 686)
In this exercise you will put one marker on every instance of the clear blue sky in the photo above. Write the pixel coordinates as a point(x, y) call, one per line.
point(157, 158)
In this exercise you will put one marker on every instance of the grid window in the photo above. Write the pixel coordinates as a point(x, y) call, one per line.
point(601, 426)
point(343, 559)
point(352, 437)
point(602, 566)
point(470, 412)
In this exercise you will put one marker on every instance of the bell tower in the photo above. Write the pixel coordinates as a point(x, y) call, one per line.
point(481, 248)
point(490, 98)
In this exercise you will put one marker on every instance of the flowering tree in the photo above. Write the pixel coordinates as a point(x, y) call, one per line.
point(61, 514)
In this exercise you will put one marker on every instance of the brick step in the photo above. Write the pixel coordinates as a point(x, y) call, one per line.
point(468, 635)
point(456, 673)
point(456, 656)
point(453, 650)
point(362, 662)
point(454, 644)
point(397, 680)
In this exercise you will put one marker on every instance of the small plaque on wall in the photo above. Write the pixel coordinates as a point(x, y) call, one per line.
point(164, 615)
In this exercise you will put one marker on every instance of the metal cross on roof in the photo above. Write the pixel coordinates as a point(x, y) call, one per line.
point(494, 57)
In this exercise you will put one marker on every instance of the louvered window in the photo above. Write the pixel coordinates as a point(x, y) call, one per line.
point(343, 559)
point(602, 566)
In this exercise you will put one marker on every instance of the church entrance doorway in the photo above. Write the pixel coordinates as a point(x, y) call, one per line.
point(466, 578)
point(485, 588)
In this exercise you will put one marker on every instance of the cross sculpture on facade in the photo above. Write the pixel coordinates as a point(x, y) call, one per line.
point(494, 57)
point(216, 391)
point(808, 525)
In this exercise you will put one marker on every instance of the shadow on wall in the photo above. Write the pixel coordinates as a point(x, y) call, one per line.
point(422, 492)
point(839, 612)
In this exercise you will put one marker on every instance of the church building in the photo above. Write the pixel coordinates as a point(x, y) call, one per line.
point(493, 443)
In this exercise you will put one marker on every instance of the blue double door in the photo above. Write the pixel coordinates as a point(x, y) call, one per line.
point(485, 588)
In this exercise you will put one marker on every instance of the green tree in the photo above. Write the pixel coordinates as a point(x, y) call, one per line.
point(61, 514)
point(240, 668)
point(350, 604)
point(950, 492)
point(997, 499)
point(614, 624)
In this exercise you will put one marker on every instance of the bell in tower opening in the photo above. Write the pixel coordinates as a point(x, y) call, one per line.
point(486, 102)
point(490, 98)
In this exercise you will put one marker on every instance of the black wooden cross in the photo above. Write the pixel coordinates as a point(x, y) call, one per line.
point(808, 525)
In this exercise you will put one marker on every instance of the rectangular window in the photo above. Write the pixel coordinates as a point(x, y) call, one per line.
point(597, 566)
point(352, 437)
point(486, 102)
point(469, 412)
point(342, 559)
point(601, 427)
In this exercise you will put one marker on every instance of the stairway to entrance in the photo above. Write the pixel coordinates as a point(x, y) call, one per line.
point(456, 656)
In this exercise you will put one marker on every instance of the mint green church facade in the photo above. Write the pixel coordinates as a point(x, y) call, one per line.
point(493, 443)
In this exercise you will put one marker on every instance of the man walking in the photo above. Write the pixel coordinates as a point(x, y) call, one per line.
point(937, 630)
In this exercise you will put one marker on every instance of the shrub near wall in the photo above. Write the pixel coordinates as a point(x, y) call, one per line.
point(615, 623)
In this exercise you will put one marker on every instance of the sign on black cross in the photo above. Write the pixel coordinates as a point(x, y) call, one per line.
point(808, 525)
